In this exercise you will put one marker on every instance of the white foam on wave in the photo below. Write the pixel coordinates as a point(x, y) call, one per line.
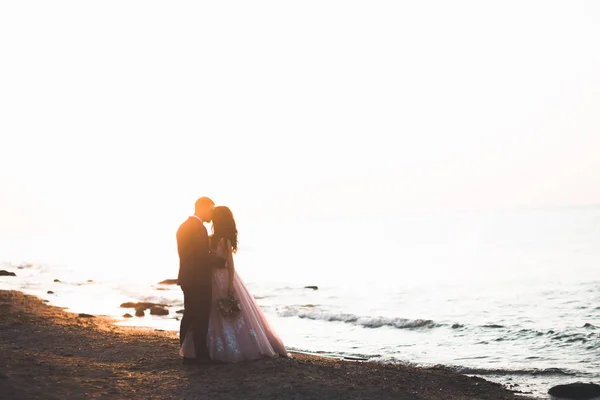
point(367, 322)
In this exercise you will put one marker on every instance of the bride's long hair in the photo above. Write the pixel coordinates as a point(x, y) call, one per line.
point(223, 227)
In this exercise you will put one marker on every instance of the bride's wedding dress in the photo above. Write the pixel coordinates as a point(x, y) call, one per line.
point(245, 336)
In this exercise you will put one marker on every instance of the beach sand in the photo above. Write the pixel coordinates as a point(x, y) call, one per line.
point(47, 353)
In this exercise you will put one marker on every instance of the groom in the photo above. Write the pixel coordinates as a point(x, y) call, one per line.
point(195, 277)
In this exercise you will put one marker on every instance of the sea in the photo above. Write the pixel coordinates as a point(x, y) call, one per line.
point(512, 296)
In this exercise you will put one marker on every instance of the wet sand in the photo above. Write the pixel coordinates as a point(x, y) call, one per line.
point(47, 353)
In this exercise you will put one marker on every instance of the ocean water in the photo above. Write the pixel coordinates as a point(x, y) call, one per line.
point(512, 296)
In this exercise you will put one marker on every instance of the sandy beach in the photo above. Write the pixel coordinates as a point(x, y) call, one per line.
point(48, 353)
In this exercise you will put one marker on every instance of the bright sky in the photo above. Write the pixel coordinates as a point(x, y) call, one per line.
point(113, 112)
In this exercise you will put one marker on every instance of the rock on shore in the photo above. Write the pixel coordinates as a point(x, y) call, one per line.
point(157, 310)
point(577, 390)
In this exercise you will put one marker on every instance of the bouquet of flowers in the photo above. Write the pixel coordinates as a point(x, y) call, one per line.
point(229, 306)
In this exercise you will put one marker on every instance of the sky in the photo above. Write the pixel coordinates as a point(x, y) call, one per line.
point(114, 114)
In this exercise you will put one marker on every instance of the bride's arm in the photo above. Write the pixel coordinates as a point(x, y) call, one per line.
point(230, 265)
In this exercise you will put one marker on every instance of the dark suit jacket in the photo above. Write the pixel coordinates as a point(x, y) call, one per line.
point(195, 259)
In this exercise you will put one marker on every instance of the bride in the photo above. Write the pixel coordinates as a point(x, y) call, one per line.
point(246, 335)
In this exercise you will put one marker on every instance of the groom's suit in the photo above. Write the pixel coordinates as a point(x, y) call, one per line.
point(195, 278)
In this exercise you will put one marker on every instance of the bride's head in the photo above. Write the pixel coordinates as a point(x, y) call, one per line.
point(223, 226)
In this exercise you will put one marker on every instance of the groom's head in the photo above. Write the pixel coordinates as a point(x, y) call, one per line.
point(204, 209)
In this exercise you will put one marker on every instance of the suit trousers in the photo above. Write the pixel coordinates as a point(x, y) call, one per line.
point(197, 304)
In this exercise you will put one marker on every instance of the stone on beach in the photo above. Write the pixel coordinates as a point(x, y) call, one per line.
point(577, 390)
point(157, 310)
point(168, 282)
point(7, 273)
point(83, 315)
point(179, 311)
point(127, 315)
point(311, 287)
point(50, 292)
point(142, 304)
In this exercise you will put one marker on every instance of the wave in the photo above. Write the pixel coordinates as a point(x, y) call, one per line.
point(367, 322)
point(587, 339)
point(455, 368)
point(524, 371)
point(336, 354)
point(567, 336)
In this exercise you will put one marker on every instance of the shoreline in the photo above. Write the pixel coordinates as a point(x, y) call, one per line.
point(46, 352)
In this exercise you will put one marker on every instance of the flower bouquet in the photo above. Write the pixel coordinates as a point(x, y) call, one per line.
point(229, 306)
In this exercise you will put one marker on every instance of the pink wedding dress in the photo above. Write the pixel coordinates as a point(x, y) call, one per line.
point(246, 336)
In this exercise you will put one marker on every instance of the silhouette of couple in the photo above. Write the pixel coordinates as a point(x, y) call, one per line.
point(210, 332)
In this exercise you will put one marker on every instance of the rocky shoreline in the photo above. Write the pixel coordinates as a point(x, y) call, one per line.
point(48, 353)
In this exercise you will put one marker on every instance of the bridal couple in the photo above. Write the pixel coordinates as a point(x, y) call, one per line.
point(210, 332)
